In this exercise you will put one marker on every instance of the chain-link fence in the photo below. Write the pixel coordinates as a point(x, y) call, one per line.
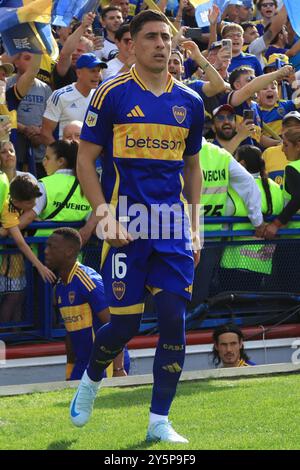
point(250, 281)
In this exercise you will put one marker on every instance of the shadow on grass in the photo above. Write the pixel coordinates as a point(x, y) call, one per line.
point(141, 395)
point(61, 445)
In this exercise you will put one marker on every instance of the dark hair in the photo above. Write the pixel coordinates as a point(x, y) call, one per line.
point(236, 73)
point(258, 5)
point(178, 53)
point(67, 150)
point(71, 235)
point(276, 38)
point(108, 9)
point(248, 24)
point(252, 156)
point(124, 28)
point(228, 328)
point(144, 17)
point(23, 188)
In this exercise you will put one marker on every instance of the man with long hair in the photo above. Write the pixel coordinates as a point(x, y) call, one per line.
point(228, 350)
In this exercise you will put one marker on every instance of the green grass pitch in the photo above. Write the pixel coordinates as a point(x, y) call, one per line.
point(253, 413)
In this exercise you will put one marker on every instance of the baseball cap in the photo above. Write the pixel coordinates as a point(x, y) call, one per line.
point(90, 61)
point(238, 3)
point(292, 114)
point(247, 3)
point(9, 68)
point(223, 107)
point(215, 45)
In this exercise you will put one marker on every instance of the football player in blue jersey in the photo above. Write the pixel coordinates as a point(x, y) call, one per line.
point(148, 126)
point(81, 301)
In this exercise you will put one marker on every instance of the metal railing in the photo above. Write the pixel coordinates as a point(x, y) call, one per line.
point(212, 303)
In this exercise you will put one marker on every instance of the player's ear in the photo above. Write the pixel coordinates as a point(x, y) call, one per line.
point(132, 47)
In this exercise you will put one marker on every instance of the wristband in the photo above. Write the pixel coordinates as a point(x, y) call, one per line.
point(118, 369)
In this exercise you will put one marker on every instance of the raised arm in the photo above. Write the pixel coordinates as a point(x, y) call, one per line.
point(65, 56)
point(215, 83)
point(259, 83)
point(276, 25)
point(213, 15)
point(25, 81)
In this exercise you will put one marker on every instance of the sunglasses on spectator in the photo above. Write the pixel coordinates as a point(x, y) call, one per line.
point(266, 5)
point(225, 117)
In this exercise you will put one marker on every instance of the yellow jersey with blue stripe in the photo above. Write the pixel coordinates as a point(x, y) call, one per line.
point(79, 301)
point(245, 363)
point(273, 116)
point(276, 161)
point(144, 137)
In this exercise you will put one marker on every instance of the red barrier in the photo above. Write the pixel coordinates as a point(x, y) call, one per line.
point(141, 342)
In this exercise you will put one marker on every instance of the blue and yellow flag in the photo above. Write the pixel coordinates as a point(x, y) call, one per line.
point(202, 8)
point(293, 11)
point(25, 25)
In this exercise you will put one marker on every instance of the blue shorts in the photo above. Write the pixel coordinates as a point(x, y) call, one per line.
point(154, 264)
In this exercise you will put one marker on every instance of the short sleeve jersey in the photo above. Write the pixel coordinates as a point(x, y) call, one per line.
point(13, 99)
point(10, 215)
point(144, 137)
point(79, 301)
point(244, 59)
point(273, 117)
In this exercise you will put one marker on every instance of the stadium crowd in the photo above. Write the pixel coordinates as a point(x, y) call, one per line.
point(246, 68)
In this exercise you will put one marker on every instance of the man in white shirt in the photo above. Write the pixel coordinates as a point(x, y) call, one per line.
point(120, 63)
point(111, 20)
point(70, 103)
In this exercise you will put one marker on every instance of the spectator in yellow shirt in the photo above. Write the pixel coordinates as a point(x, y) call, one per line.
point(274, 157)
point(22, 196)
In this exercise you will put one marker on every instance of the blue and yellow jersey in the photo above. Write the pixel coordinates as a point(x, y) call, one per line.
point(274, 50)
point(46, 69)
point(273, 117)
point(79, 301)
point(248, 60)
point(13, 99)
point(10, 215)
point(144, 137)
point(243, 363)
point(259, 26)
point(276, 161)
